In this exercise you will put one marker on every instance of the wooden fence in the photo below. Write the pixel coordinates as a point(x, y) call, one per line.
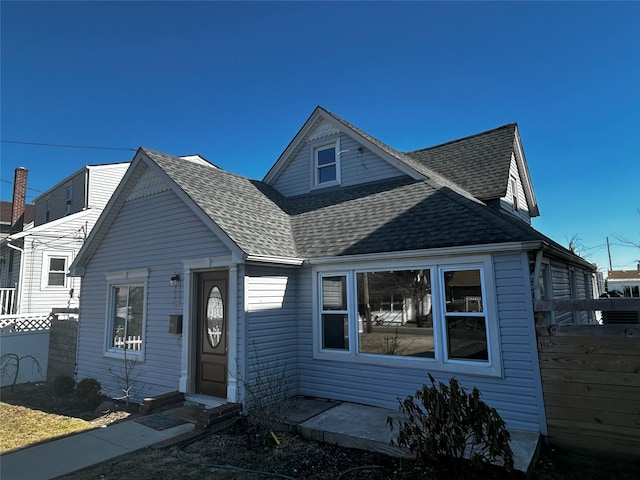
point(591, 380)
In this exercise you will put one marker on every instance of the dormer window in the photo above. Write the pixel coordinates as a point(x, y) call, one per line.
point(69, 195)
point(514, 193)
point(326, 165)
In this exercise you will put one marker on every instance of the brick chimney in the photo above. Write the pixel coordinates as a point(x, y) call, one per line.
point(19, 199)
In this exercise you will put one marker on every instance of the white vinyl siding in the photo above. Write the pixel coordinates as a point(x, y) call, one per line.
point(516, 394)
point(103, 180)
point(271, 324)
point(356, 166)
point(147, 233)
point(507, 202)
point(64, 234)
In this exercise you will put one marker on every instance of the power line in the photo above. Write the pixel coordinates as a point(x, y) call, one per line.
point(67, 146)
point(28, 188)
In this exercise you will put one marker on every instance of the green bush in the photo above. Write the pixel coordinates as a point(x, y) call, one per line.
point(87, 392)
point(448, 427)
point(63, 385)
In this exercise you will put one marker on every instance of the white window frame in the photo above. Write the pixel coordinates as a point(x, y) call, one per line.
point(47, 255)
point(335, 144)
point(440, 362)
point(129, 278)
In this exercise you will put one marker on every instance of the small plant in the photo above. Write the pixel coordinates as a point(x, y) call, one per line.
point(87, 392)
point(268, 397)
point(445, 424)
point(10, 366)
point(63, 385)
point(127, 377)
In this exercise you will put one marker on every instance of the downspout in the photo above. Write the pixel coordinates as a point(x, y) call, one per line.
point(536, 276)
point(20, 276)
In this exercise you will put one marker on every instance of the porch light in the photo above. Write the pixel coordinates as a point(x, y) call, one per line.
point(175, 280)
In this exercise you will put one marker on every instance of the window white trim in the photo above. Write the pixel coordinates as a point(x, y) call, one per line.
point(315, 168)
point(47, 256)
point(440, 362)
point(129, 278)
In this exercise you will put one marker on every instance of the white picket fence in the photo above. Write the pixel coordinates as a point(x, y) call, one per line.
point(133, 342)
point(7, 301)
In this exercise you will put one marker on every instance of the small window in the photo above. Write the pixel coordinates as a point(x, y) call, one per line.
point(326, 165)
point(514, 193)
point(126, 320)
point(47, 209)
point(69, 199)
point(57, 271)
point(126, 314)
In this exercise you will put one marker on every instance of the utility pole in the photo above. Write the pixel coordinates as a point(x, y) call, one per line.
point(609, 251)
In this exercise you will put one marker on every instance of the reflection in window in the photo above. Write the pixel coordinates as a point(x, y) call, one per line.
point(326, 164)
point(394, 313)
point(335, 326)
point(57, 272)
point(215, 317)
point(465, 320)
point(127, 317)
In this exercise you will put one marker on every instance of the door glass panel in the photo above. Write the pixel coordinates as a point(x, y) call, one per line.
point(215, 318)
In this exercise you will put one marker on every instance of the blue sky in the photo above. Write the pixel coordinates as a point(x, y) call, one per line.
point(235, 81)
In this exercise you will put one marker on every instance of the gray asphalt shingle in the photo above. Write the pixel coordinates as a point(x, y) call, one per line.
point(479, 163)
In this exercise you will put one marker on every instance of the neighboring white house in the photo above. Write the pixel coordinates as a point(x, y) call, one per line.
point(294, 269)
point(36, 259)
point(626, 282)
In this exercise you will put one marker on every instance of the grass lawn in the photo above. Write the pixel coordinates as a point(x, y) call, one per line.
point(23, 426)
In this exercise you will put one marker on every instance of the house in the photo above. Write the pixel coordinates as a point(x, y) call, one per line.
point(39, 254)
point(623, 283)
point(357, 268)
point(13, 216)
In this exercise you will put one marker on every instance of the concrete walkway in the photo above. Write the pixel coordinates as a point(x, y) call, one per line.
point(69, 454)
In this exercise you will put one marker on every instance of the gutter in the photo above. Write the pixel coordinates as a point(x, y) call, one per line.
point(431, 252)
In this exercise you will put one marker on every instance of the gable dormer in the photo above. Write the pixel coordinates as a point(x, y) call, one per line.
point(490, 165)
point(329, 153)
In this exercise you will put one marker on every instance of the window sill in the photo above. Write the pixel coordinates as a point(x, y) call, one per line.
point(477, 368)
point(319, 186)
point(131, 355)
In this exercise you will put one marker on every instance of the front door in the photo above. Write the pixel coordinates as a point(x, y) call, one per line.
point(213, 325)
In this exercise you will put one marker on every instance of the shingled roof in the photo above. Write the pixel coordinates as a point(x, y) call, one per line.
point(247, 210)
point(478, 163)
point(393, 215)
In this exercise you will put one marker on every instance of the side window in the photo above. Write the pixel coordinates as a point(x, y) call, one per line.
point(57, 271)
point(126, 314)
point(334, 314)
point(54, 269)
point(464, 314)
point(326, 165)
point(514, 193)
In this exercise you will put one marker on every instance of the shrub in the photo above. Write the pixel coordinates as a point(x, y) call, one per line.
point(63, 385)
point(87, 392)
point(446, 425)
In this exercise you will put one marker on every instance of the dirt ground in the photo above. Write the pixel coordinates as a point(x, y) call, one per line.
point(233, 453)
